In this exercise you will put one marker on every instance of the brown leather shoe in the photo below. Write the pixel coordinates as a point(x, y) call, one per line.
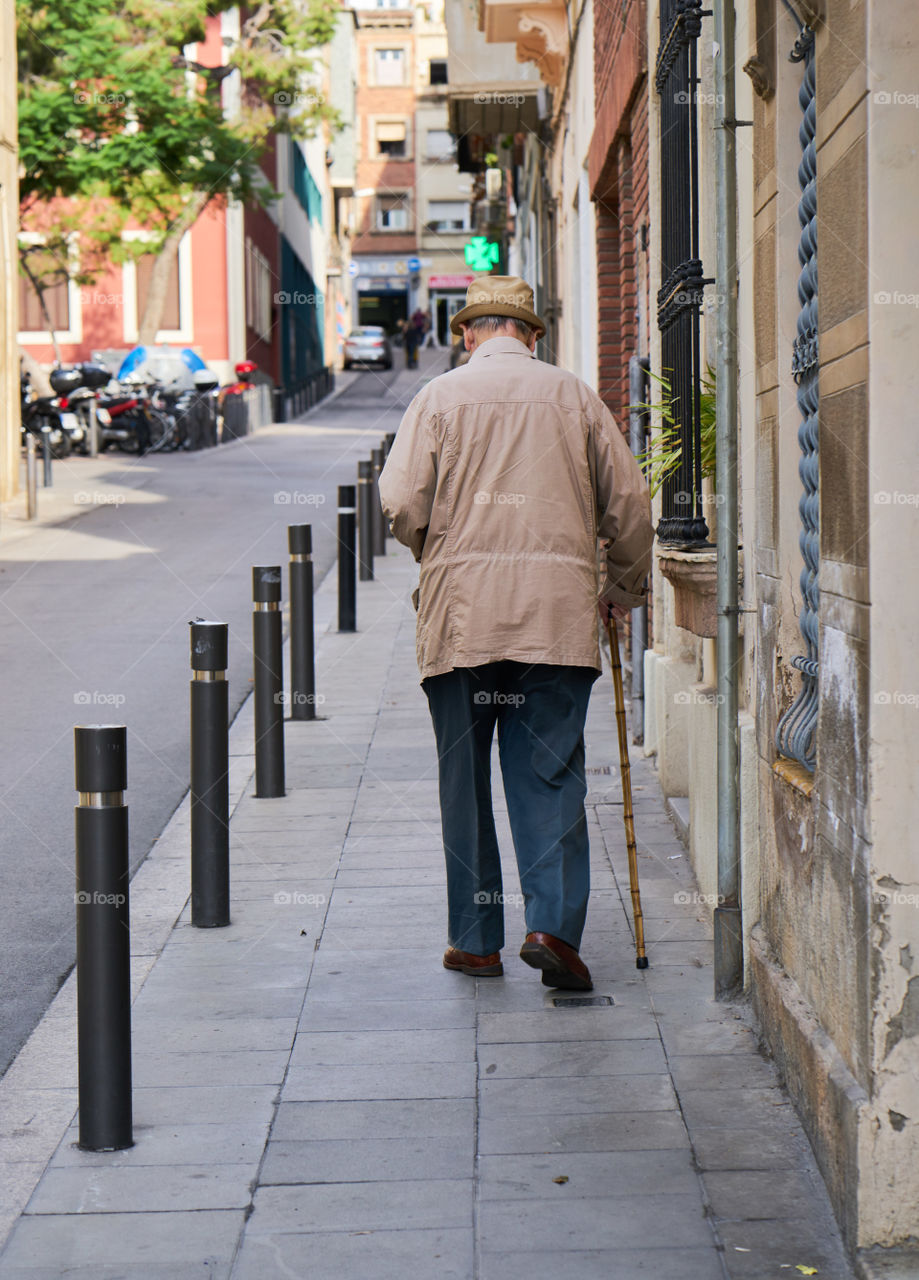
point(475, 966)
point(561, 965)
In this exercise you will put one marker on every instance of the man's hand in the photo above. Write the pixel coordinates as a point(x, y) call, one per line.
point(616, 612)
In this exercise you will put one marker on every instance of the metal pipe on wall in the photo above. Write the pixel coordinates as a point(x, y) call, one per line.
point(638, 426)
point(728, 922)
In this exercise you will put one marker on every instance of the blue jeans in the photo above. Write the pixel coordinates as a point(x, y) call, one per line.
point(539, 712)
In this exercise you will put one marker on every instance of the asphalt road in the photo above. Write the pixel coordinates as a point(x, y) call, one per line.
point(94, 619)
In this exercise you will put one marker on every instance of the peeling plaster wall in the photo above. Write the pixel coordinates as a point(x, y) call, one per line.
point(889, 1141)
point(836, 959)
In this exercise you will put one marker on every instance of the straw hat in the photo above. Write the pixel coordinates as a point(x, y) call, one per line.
point(498, 296)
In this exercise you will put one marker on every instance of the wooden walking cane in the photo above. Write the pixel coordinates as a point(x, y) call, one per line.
point(612, 631)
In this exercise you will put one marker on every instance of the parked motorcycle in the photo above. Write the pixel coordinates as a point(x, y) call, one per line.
point(38, 412)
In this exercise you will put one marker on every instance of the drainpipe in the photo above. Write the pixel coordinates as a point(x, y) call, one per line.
point(728, 925)
point(638, 422)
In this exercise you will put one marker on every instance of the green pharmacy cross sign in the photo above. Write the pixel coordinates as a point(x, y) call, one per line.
point(481, 254)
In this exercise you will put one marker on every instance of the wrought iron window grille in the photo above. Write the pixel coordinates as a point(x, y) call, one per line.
point(679, 300)
point(796, 732)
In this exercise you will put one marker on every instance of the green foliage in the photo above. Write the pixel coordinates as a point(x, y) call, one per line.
point(664, 453)
point(115, 124)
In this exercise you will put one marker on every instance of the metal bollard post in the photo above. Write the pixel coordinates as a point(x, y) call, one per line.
point(31, 479)
point(379, 520)
point(388, 441)
point(210, 763)
point(269, 681)
point(302, 639)
point(365, 520)
point(347, 584)
point(103, 938)
point(46, 456)
point(93, 429)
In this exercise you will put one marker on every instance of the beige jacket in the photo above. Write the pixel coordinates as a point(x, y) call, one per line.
point(503, 474)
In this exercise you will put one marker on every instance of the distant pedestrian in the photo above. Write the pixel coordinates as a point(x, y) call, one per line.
point(410, 341)
point(503, 474)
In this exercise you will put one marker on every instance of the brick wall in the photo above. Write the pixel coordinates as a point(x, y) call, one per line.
point(618, 169)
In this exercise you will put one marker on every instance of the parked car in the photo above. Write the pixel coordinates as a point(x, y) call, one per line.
point(368, 344)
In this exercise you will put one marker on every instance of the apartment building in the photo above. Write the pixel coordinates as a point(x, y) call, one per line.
point(412, 214)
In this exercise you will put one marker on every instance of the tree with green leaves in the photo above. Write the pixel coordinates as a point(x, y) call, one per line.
point(117, 124)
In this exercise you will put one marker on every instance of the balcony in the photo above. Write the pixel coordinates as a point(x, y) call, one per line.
point(488, 90)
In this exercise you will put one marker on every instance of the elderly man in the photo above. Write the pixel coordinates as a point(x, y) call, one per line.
point(503, 475)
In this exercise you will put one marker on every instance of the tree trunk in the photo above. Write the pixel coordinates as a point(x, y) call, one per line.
point(152, 319)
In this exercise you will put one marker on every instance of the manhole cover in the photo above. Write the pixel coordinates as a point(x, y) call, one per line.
point(580, 1002)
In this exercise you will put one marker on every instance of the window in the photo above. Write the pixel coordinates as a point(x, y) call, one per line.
point(679, 300)
point(438, 72)
point(304, 185)
point(440, 145)
point(32, 317)
point(258, 291)
point(390, 137)
point(392, 213)
point(448, 215)
point(389, 66)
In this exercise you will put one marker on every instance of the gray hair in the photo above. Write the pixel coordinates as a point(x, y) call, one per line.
point(497, 324)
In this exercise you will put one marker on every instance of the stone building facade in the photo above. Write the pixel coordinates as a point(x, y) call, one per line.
point(826, 376)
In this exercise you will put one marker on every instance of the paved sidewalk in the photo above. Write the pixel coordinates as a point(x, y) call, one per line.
point(316, 1096)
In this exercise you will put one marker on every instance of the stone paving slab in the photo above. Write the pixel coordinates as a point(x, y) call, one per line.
point(442, 1254)
point(328, 1160)
point(316, 1096)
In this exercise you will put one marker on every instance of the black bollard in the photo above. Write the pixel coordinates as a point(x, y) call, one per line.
point(302, 640)
point(388, 441)
point(347, 584)
point(365, 520)
point(103, 938)
point(46, 456)
point(379, 520)
point(210, 763)
point(31, 479)
point(269, 682)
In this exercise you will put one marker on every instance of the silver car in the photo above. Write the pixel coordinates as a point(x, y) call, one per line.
point(368, 344)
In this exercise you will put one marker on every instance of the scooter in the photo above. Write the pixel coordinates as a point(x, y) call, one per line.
point(38, 412)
